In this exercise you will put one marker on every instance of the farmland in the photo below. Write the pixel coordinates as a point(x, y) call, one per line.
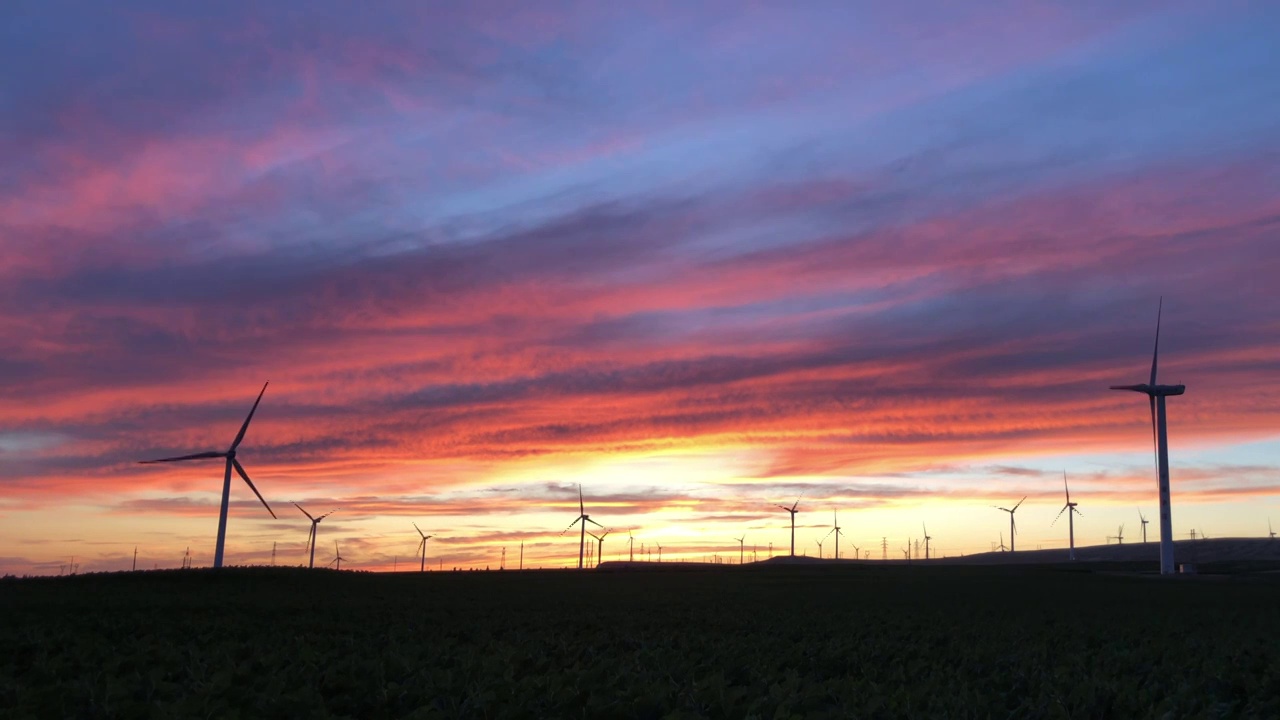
point(767, 642)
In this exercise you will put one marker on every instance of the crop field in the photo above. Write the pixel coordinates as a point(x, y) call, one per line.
point(729, 642)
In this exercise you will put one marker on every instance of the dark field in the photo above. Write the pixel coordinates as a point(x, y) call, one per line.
point(766, 642)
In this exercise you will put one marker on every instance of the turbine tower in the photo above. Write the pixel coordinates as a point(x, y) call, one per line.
point(1160, 434)
point(741, 547)
point(1013, 527)
point(337, 556)
point(311, 538)
point(1071, 511)
point(927, 538)
point(582, 518)
point(422, 547)
point(793, 511)
point(1144, 520)
point(230, 456)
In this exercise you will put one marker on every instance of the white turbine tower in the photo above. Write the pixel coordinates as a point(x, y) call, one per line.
point(1071, 511)
point(311, 537)
point(230, 456)
point(1013, 527)
point(422, 547)
point(1160, 434)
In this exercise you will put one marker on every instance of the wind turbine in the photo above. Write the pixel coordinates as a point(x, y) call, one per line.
point(793, 511)
point(1270, 532)
point(599, 544)
point(927, 538)
point(741, 547)
point(1160, 434)
point(1002, 547)
point(583, 518)
point(819, 542)
point(631, 547)
point(422, 547)
point(1118, 537)
point(311, 538)
point(835, 528)
point(1144, 525)
point(337, 556)
point(1071, 511)
point(1013, 527)
point(230, 456)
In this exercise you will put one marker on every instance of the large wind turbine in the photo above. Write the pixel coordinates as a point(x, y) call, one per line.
point(1013, 527)
point(927, 538)
point(741, 547)
point(793, 511)
point(311, 538)
point(1071, 511)
point(230, 456)
point(583, 518)
point(422, 547)
point(1160, 434)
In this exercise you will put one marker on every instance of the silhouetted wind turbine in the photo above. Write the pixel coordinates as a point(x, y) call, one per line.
point(741, 547)
point(599, 544)
point(584, 519)
point(819, 543)
point(835, 528)
point(1144, 520)
point(631, 547)
point(1118, 537)
point(1071, 511)
point(230, 456)
point(337, 556)
point(1002, 547)
point(793, 511)
point(927, 538)
point(1160, 434)
point(422, 547)
point(1271, 533)
point(1013, 527)
point(311, 538)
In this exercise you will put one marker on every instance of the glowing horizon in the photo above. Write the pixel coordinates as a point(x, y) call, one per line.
point(699, 260)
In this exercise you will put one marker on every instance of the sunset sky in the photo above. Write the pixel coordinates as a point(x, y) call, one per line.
point(698, 257)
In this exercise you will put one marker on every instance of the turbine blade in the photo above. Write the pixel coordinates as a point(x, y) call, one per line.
point(575, 522)
point(311, 534)
point(582, 510)
point(415, 527)
point(197, 456)
point(245, 476)
point(1015, 507)
point(420, 544)
point(593, 522)
point(1055, 517)
point(1155, 354)
point(304, 512)
point(1064, 485)
point(327, 514)
point(245, 426)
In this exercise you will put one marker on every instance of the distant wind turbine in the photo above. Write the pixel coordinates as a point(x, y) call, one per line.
point(311, 537)
point(599, 544)
point(927, 538)
point(582, 518)
point(793, 511)
point(741, 548)
point(1002, 546)
point(337, 556)
point(230, 456)
point(422, 547)
point(1013, 527)
point(835, 528)
point(819, 544)
point(1271, 533)
point(1144, 520)
point(631, 547)
point(1160, 435)
point(1118, 537)
point(1071, 511)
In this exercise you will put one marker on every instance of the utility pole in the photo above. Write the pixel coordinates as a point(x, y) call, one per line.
point(273, 554)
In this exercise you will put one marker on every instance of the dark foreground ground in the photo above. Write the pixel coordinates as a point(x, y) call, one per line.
point(767, 642)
